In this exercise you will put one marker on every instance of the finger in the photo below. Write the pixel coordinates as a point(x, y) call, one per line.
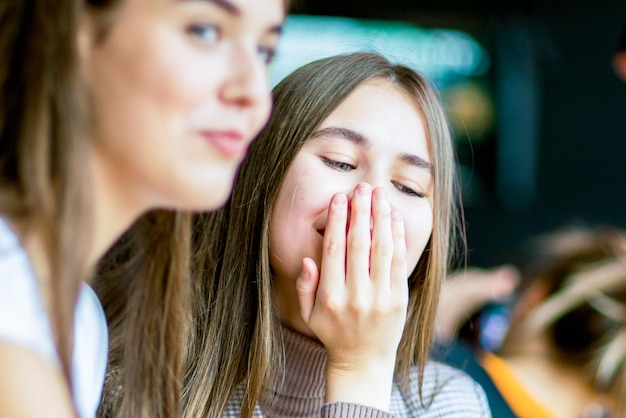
point(359, 237)
point(399, 273)
point(306, 288)
point(382, 239)
point(333, 265)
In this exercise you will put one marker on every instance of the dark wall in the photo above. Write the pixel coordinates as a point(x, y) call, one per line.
point(580, 142)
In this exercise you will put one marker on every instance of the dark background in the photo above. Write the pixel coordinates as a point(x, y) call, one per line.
point(560, 150)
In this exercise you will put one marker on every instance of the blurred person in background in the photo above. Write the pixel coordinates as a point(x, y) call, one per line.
point(563, 352)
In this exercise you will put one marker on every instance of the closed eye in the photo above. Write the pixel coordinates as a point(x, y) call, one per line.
point(338, 165)
point(407, 190)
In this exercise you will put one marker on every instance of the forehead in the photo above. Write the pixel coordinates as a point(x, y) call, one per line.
point(386, 115)
point(261, 11)
point(273, 9)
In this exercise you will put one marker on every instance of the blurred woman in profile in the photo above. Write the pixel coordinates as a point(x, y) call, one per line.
point(110, 109)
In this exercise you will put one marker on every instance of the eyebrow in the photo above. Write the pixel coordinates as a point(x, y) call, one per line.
point(226, 5)
point(361, 140)
point(232, 9)
point(344, 133)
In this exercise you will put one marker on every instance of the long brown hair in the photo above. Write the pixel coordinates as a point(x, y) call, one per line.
point(143, 283)
point(235, 336)
point(43, 164)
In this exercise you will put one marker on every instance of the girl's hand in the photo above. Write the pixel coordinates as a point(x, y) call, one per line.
point(356, 303)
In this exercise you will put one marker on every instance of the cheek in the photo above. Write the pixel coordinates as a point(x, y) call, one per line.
point(418, 232)
point(185, 83)
point(291, 202)
point(174, 72)
point(261, 112)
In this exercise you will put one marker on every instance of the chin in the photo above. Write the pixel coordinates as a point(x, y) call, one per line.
point(216, 198)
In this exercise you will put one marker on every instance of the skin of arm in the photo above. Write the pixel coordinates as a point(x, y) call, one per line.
point(356, 303)
point(31, 387)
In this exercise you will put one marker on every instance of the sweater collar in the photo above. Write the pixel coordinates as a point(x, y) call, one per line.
point(300, 390)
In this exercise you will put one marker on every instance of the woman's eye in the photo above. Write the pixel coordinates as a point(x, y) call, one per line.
point(207, 33)
point(407, 190)
point(338, 165)
point(266, 53)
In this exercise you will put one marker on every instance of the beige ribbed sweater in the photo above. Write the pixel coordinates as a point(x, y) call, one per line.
point(447, 392)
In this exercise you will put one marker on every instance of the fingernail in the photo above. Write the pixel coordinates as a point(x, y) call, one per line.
point(380, 194)
point(340, 199)
point(363, 189)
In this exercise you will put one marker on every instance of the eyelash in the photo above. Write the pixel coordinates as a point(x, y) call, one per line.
point(338, 165)
point(199, 31)
point(345, 167)
point(407, 190)
point(266, 53)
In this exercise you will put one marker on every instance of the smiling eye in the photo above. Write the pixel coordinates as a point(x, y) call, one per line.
point(407, 190)
point(338, 165)
point(207, 33)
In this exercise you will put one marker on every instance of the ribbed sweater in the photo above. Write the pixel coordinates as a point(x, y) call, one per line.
point(446, 392)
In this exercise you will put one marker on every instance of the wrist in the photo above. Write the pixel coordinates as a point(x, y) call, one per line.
point(369, 384)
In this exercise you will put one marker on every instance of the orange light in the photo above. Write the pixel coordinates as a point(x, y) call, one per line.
point(619, 64)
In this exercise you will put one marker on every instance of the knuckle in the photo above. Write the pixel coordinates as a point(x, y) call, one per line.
point(381, 249)
point(358, 307)
point(331, 302)
point(333, 247)
point(359, 244)
point(398, 260)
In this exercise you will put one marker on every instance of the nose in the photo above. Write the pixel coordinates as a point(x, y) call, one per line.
point(247, 84)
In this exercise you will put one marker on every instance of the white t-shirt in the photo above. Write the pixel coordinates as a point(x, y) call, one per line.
point(23, 321)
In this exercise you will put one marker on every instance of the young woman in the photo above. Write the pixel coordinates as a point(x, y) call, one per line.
point(110, 109)
point(320, 277)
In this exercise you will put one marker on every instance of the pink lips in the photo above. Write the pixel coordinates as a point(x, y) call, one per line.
point(230, 144)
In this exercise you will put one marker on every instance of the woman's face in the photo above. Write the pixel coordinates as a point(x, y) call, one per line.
point(178, 88)
point(377, 136)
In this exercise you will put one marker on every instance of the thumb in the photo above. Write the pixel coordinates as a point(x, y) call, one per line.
point(306, 287)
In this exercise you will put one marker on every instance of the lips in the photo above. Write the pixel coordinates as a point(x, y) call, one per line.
point(231, 144)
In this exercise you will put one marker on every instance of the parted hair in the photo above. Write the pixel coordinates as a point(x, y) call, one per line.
point(235, 331)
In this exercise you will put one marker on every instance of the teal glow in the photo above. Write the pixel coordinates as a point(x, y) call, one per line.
point(440, 54)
